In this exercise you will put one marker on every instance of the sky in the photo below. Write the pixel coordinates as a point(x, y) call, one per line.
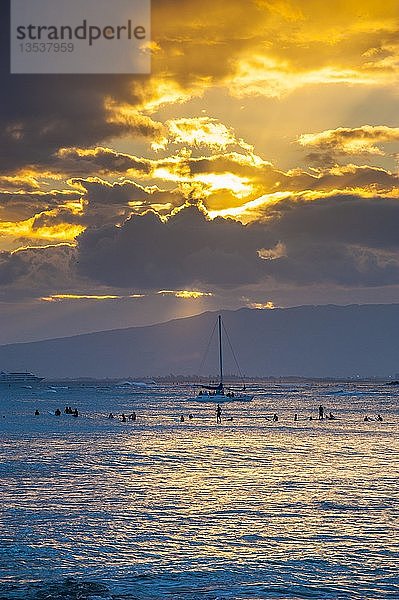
point(257, 165)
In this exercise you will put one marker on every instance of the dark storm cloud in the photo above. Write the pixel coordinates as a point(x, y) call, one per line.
point(344, 219)
point(186, 249)
point(33, 272)
point(98, 161)
point(346, 240)
point(11, 268)
point(40, 114)
point(341, 240)
point(51, 198)
point(38, 118)
point(337, 263)
point(113, 203)
point(102, 192)
point(340, 178)
point(21, 206)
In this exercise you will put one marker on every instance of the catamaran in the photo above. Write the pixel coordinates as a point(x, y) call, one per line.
point(220, 392)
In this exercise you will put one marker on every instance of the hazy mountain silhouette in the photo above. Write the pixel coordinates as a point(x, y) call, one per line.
point(318, 341)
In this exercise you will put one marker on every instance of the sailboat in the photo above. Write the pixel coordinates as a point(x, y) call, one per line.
point(221, 393)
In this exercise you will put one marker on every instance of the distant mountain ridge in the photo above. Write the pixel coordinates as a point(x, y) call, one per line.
point(310, 341)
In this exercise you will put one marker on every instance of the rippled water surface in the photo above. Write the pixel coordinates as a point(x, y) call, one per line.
point(156, 509)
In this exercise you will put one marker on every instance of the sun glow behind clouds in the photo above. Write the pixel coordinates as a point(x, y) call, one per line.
point(200, 131)
point(261, 305)
point(240, 186)
point(311, 55)
point(248, 211)
point(263, 76)
point(59, 297)
point(26, 229)
point(212, 182)
point(186, 294)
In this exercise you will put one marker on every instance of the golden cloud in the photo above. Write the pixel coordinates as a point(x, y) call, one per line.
point(270, 48)
point(200, 131)
point(355, 140)
point(185, 294)
point(262, 305)
point(26, 179)
point(43, 228)
point(95, 297)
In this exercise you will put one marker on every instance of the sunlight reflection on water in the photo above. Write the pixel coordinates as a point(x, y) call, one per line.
point(162, 509)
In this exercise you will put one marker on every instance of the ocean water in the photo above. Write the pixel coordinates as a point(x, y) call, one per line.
point(158, 509)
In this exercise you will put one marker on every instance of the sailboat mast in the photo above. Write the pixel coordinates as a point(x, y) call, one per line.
point(220, 349)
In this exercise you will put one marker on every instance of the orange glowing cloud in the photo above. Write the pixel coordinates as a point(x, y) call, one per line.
point(200, 131)
point(185, 294)
point(347, 140)
point(94, 297)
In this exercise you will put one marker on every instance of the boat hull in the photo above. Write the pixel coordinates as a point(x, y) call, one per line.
point(23, 379)
point(217, 392)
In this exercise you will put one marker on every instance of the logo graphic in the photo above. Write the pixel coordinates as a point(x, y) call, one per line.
point(80, 36)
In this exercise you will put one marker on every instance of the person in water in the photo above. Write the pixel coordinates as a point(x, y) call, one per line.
point(75, 413)
point(218, 414)
point(296, 417)
point(110, 416)
point(123, 418)
point(275, 417)
point(321, 412)
point(57, 412)
point(379, 418)
point(37, 413)
point(181, 418)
